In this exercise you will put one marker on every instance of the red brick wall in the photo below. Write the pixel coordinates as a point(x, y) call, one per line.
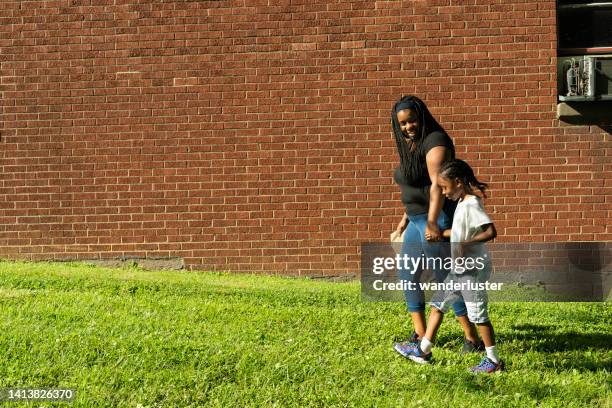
point(254, 135)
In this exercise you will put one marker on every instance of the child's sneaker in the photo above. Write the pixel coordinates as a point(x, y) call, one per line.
point(469, 347)
point(413, 352)
point(487, 366)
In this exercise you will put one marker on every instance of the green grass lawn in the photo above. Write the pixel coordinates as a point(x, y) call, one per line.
point(123, 337)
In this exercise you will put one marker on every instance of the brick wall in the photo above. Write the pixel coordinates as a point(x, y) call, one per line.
point(255, 136)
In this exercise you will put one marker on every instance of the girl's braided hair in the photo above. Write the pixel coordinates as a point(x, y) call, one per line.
point(458, 169)
point(412, 160)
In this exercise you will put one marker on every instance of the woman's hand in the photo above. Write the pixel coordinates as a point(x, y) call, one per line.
point(400, 229)
point(432, 232)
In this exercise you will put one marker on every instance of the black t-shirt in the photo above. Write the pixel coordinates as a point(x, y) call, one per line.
point(415, 196)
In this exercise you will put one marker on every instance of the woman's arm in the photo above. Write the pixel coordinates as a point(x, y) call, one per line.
point(434, 159)
point(402, 224)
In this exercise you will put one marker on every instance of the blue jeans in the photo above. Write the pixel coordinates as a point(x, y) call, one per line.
point(415, 246)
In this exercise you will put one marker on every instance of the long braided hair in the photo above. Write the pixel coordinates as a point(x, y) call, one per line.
point(458, 169)
point(412, 160)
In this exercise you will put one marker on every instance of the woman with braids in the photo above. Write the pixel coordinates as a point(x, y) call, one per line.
point(423, 146)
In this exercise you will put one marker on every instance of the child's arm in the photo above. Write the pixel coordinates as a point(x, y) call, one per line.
point(446, 233)
point(488, 233)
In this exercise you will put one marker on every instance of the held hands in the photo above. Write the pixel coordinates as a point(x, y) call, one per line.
point(432, 232)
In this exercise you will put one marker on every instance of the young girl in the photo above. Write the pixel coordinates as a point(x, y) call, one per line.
point(470, 229)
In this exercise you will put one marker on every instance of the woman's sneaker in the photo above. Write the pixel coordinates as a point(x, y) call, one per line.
point(487, 366)
point(402, 346)
point(414, 338)
point(405, 348)
point(413, 352)
point(469, 347)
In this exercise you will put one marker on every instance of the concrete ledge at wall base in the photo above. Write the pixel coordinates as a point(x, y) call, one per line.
point(172, 263)
point(334, 278)
point(585, 113)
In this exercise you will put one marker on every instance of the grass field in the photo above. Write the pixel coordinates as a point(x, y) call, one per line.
point(124, 337)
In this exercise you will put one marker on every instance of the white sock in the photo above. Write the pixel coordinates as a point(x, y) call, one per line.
point(426, 345)
point(492, 354)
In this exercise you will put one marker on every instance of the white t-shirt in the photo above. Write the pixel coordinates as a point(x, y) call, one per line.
point(469, 217)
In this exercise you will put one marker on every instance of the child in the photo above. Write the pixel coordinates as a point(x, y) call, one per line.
point(471, 228)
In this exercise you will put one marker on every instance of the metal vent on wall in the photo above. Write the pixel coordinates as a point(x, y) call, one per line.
point(585, 78)
point(584, 64)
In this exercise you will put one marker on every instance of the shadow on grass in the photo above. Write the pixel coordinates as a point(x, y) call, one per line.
point(550, 341)
point(589, 346)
